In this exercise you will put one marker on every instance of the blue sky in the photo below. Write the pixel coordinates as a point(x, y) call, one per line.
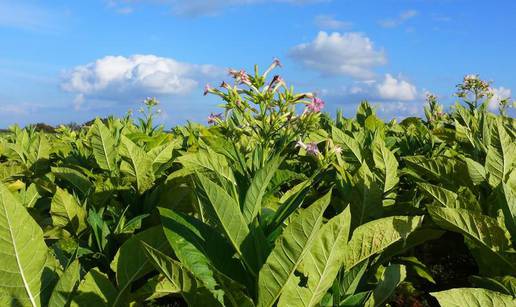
point(63, 61)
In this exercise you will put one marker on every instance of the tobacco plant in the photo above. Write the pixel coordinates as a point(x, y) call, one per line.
point(273, 203)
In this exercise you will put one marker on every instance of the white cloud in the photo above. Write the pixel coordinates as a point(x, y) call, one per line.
point(351, 54)
point(399, 109)
point(400, 19)
point(329, 22)
point(118, 77)
point(396, 89)
point(499, 94)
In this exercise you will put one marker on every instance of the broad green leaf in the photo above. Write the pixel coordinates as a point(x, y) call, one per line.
point(64, 289)
point(501, 155)
point(290, 249)
point(385, 161)
point(367, 197)
point(131, 262)
point(375, 236)
point(190, 249)
point(29, 196)
point(23, 275)
point(103, 146)
point(156, 287)
point(229, 218)
point(352, 277)
point(75, 178)
point(136, 164)
point(500, 284)
point(39, 149)
point(94, 290)
point(321, 264)
point(482, 229)
point(207, 160)
point(444, 197)
point(473, 297)
point(349, 144)
point(67, 212)
point(391, 278)
point(253, 198)
point(506, 199)
point(476, 171)
point(192, 289)
point(440, 169)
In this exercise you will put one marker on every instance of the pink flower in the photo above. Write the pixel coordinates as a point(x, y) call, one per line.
point(207, 89)
point(240, 75)
point(224, 85)
point(316, 105)
point(312, 149)
point(276, 62)
point(337, 150)
point(214, 118)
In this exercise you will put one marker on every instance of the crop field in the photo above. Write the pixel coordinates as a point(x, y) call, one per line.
point(272, 203)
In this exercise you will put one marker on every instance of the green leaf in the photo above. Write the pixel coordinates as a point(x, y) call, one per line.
point(444, 197)
point(385, 161)
point(321, 264)
point(192, 289)
point(23, 275)
point(66, 212)
point(367, 197)
point(229, 218)
point(289, 251)
point(39, 149)
point(506, 199)
point(473, 297)
point(75, 178)
point(207, 160)
point(64, 289)
point(253, 198)
point(103, 146)
point(375, 236)
point(189, 247)
point(156, 287)
point(131, 262)
point(94, 290)
point(482, 229)
point(349, 144)
point(501, 155)
point(136, 164)
point(391, 278)
point(352, 277)
point(476, 171)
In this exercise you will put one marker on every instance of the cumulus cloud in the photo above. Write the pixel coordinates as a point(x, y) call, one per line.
point(351, 54)
point(329, 22)
point(119, 77)
point(396, 89)
point(203, 7)
point(400, 19)
point(499, 94)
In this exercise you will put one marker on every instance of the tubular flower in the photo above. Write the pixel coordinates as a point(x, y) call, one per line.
point(312, 149)
point(207, 89)
point(316, 105)
point(214, 118)
point(240, 76)
point(275, 63)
